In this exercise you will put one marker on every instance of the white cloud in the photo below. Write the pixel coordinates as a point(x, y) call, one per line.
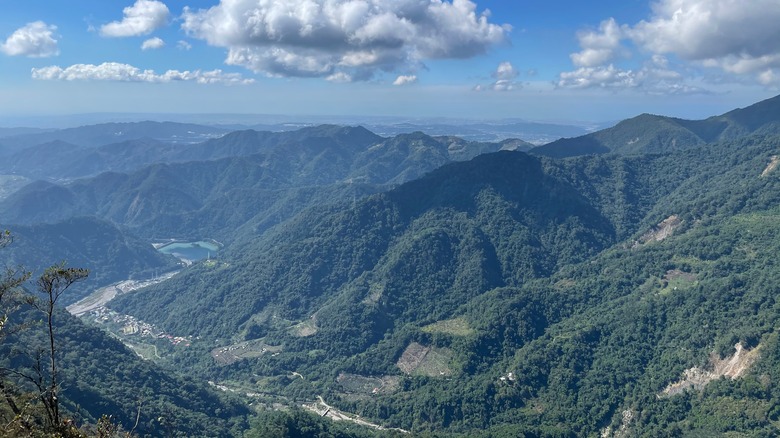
point(505, 71)
point(505, 79)
point(143, 17)
point(598, 77)
point(35, 40)
point(770, 77)
point(654, 77)
point(701, 30)
point(319, 38)
point(114, 71)
point(405, 80)
point(183, 45)
point(735, 37)
point(598, 47)
point(339, 77)
point(152, 44)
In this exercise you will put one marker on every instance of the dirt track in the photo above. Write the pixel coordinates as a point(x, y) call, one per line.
point(102, 296)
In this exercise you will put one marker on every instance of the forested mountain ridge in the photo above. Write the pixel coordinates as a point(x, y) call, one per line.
point(283, 173)
point(610, 195)
point(648, 133)
point(530, 259)
point(472, 196)
point(146, 143)
point(129, 151)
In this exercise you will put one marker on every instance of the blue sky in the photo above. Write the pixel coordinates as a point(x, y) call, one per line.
point(538, 60)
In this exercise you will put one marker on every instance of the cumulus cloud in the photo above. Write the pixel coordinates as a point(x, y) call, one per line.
point(35, 40)
point(727, 35)
point(320, 38)
point(654, 77)
point(152, 44)
point(711, 29)
point(505, 71)
point(143, 17)
point(183, 45)
point(405, 80)
point(602, 77)
point(598, 47)
point(113, 71)
point(505, 79)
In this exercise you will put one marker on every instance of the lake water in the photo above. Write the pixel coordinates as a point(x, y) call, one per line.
point(192, 251)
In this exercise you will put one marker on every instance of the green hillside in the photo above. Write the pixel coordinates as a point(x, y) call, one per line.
point(648, 133)
point(553, 271)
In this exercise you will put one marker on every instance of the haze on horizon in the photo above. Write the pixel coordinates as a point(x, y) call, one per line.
point(483, 59)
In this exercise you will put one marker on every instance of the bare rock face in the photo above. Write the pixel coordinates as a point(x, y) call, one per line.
point(661, 231)
point(773, 162)
point(697, 378)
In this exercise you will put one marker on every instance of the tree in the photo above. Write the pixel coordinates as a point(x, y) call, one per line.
point(52, 284)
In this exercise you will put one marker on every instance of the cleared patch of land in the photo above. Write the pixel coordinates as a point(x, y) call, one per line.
point(145, 351)
point(675, 280)
point(420, 360)
point(243, 350)
point(456, 327)
point(305, 328)
point(357, 384)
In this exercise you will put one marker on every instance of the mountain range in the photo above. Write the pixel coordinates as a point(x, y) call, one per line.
point(622, 283)
point(239, 180)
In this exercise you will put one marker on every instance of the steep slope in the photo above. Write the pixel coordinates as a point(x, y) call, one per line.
point(658, 134)
point(528, 216)
point(653, 311)
point(480, 195)
point(508, 292)
point(509, 295)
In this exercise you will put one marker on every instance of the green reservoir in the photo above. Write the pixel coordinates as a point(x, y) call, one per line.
point(190, 251)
